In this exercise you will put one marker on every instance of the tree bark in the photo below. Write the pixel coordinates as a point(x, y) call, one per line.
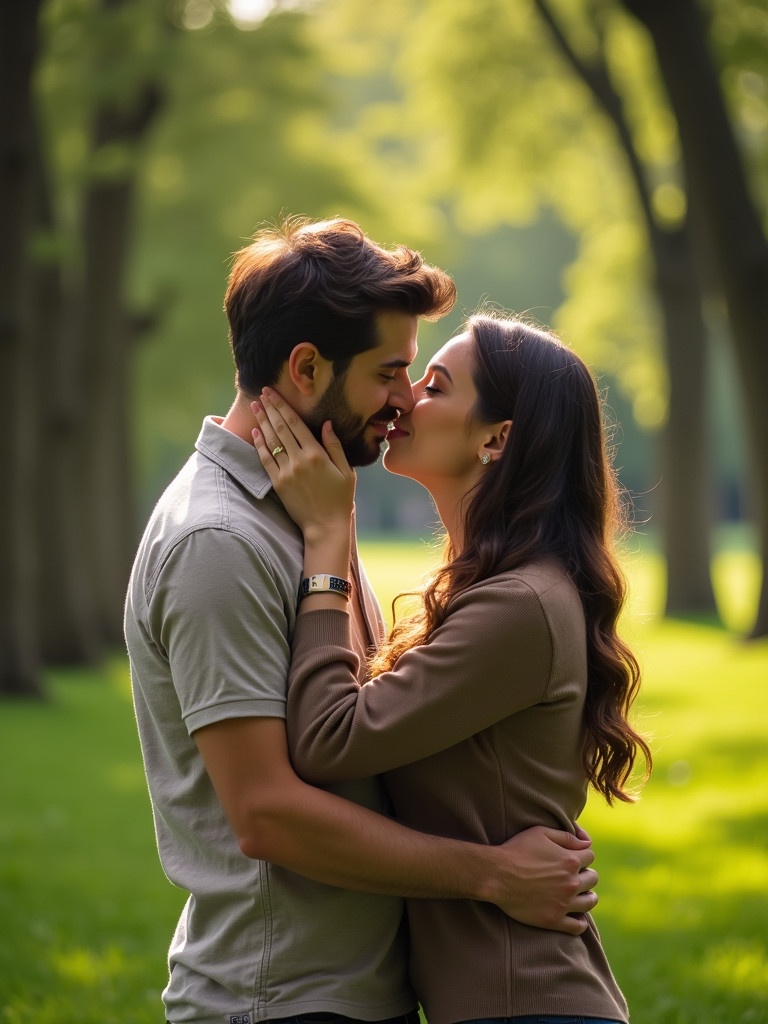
point(107, 339)
point(20, 668)
point(719, 193)
point(69, 631)
point(86, 527)
point(687, 493)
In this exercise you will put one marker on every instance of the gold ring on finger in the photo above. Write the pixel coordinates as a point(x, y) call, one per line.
point(276, 451)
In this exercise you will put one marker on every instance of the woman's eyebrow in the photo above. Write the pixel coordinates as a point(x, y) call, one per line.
point(439, 368)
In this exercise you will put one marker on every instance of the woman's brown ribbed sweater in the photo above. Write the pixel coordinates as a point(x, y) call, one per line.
point(479, 735)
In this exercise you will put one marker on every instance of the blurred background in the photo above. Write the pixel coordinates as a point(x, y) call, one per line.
point(599, 165)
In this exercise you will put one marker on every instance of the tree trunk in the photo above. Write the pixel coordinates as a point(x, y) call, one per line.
point(107, 339)
point(19, 648)
point(67, 601)
point(106, 458)
point(686, 452)
point(719, 194)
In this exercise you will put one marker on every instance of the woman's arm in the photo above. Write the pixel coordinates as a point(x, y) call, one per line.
point(490, 658)
point(439, 693)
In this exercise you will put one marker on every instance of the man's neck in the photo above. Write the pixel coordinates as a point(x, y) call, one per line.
point(240, 420)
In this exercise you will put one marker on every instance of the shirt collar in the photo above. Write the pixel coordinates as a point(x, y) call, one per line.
point(236, 456)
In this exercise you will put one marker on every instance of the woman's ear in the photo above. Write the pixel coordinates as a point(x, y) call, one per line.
point(494, 442)
point(308, 371)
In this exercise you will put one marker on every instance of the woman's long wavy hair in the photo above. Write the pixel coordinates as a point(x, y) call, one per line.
point(553, 492)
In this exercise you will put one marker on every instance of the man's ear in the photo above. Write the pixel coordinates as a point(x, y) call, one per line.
point(496, 439)
point(307, 370)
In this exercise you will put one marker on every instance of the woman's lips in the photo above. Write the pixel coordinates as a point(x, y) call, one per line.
point(395, 432)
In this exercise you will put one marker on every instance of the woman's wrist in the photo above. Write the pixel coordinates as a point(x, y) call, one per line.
point(325, 536)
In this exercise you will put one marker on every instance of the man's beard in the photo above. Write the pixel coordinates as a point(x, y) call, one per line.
point(347, 425)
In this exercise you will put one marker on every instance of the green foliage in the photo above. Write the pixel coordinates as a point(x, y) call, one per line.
point(454, 127)
point(241, 141)
point(87, 914)
point(528, 136)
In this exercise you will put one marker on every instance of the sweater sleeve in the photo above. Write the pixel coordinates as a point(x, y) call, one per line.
point(490, 658)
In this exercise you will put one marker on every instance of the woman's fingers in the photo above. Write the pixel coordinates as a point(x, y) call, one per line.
point(284, 431)
point(286, 422)
point(333, 447)
point(264, 451)
point(278, 434)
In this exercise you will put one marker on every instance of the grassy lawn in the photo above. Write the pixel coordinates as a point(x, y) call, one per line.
point(86, 914)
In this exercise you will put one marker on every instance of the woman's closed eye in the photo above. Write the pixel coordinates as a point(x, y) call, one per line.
point(430, 389)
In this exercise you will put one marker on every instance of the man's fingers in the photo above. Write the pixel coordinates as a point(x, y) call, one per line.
point(586, 857)
point(572, 925)
point(582, 848)
point(587, 879)
point(567, 840)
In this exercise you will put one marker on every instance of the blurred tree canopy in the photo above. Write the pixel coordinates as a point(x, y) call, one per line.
point(533, 149)
point(511, 109)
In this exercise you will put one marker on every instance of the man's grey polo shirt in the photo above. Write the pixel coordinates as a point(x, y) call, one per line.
point(210, 611)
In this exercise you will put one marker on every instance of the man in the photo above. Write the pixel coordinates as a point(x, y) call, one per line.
point(293, 909)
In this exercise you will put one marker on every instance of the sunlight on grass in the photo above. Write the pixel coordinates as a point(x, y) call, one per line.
point(86, 913)
point(736, 577)
point(742, 966)
point(84, 967)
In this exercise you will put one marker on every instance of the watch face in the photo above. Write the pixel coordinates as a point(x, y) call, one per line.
point(322, 583)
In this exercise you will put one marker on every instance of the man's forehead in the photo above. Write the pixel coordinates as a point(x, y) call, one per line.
point(396, 334)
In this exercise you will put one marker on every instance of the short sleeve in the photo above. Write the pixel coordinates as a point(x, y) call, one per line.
point(220, 620)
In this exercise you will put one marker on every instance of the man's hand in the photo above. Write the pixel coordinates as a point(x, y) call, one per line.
point(546, 879)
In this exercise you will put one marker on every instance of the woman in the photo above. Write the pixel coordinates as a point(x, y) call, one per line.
point(496, 703)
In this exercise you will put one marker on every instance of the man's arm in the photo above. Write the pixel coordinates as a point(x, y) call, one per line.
point(539, 877)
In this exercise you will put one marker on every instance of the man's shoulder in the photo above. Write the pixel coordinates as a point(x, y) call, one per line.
point(204, 495)
point(205, 507)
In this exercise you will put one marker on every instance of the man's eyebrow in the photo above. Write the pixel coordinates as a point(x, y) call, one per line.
point(394, 364)
point(440, 369)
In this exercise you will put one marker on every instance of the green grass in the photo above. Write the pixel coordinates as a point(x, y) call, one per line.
point(86, 914)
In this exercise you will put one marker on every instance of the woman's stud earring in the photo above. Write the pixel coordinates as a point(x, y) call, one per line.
point(485, 458)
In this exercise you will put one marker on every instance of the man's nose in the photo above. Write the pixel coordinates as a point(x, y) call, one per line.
point(401, 397)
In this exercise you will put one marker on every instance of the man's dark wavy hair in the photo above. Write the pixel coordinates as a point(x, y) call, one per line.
point(321, 282)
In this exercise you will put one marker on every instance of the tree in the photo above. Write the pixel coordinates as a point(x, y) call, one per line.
point(124, 91)
point(86, 528)
point(19, 649)
point(720, 195)
point(686, 469)
point(525, 136)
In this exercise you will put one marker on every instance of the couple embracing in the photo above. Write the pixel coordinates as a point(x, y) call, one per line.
point(308, 773)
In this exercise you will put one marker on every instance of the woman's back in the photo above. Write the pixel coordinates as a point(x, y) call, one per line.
point(524, 648)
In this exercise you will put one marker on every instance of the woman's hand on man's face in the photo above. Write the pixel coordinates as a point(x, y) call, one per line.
point(314, 481)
